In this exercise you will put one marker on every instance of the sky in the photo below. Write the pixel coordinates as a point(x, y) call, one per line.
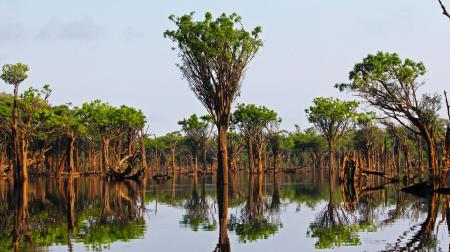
point(114, 50)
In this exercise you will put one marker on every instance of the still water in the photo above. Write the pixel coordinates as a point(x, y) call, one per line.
point(286, 212)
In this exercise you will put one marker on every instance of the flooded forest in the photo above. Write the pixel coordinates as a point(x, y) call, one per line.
point(368, 173)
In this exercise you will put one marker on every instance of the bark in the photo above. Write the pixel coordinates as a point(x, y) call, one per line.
point(331, 157)
point(15, 137)
point(23, 156)
point(61, 165)
point(105, 149)
point(260, 161)
point(433, 157)
point(222, 186)
point(143, 152)
point(70, 151)
point(251, 163)
point(173, 161)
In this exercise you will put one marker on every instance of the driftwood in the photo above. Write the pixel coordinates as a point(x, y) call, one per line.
point(378, 173)
point(161, 177)
point(125, 169)
point(350, 167)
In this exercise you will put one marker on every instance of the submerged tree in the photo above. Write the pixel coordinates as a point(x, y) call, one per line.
point(14, 74)
point(251, 121)
point(391, 85)
point(333, 118)
point(197, 132)
point(214, 55)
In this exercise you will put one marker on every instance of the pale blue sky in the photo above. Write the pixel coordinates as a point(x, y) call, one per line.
point(115, 51)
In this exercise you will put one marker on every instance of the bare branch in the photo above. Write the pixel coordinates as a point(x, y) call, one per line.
point(444, 10)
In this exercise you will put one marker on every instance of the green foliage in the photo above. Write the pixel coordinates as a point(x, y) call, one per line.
point(214, 54)
point(253, 229)
point(196, 132)
point(309, 140)
point(107, 120)
point(251, 119)
point(339, 235)
point(332, 117)
point(391, 84)
point(6, 105)
point(14, 74)
point(214, 38)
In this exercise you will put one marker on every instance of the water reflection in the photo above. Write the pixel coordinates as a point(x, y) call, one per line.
point(258, 217)
point(310, 208)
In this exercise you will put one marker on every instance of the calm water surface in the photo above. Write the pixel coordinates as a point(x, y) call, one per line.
point(266, 213)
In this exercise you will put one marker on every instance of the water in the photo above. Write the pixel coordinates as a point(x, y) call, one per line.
point(289, 212)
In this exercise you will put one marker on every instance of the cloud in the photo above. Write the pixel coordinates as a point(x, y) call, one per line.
point(83, 29)
point(11, 31)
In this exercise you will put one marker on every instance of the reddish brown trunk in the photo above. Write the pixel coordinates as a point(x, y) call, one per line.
point(260, 161)
point(69, 150)
point(251, 163)
point(331, 157)
point(105, 149)
point(143, 152)
point(222, 185)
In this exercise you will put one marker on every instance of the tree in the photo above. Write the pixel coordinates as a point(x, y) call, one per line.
point(110, 123)
point(196, 132)
point(214, 55)
point(333, 118)
point(14, 74)
point(251, 120)
point(391, 85)
point(70, 125)
point(173, 140)
point(309, 140)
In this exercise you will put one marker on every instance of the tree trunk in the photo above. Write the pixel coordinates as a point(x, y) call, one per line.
point(331, 157)
point(143, 152)
point(69, 150)
point(15, 137)
point(222, 184)
point(173, 162)
point(260, 161)
point(105, 148)
point(23, 156)
point(251, 164)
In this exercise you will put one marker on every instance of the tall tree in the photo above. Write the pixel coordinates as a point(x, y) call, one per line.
point(391, 85)
point(14, 74)
point(333, 118)
point(214, 55)
point(251, 120)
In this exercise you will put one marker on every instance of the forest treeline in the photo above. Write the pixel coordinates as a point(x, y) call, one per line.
point(96, 136)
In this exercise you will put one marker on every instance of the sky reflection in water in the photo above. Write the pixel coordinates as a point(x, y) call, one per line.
point(266, 213)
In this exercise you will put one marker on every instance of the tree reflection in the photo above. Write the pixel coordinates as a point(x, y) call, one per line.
point(424, 238)
point(223, 244)
point(258, 219)
point(334, 225)
point(199, 209)
point(21, 219)
point(120, 217)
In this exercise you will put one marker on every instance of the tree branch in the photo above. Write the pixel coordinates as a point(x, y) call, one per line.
point(444, 10)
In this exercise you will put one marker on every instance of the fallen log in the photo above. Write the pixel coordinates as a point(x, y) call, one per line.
point(126, 169)
point(161, 177)
point(378, 173)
